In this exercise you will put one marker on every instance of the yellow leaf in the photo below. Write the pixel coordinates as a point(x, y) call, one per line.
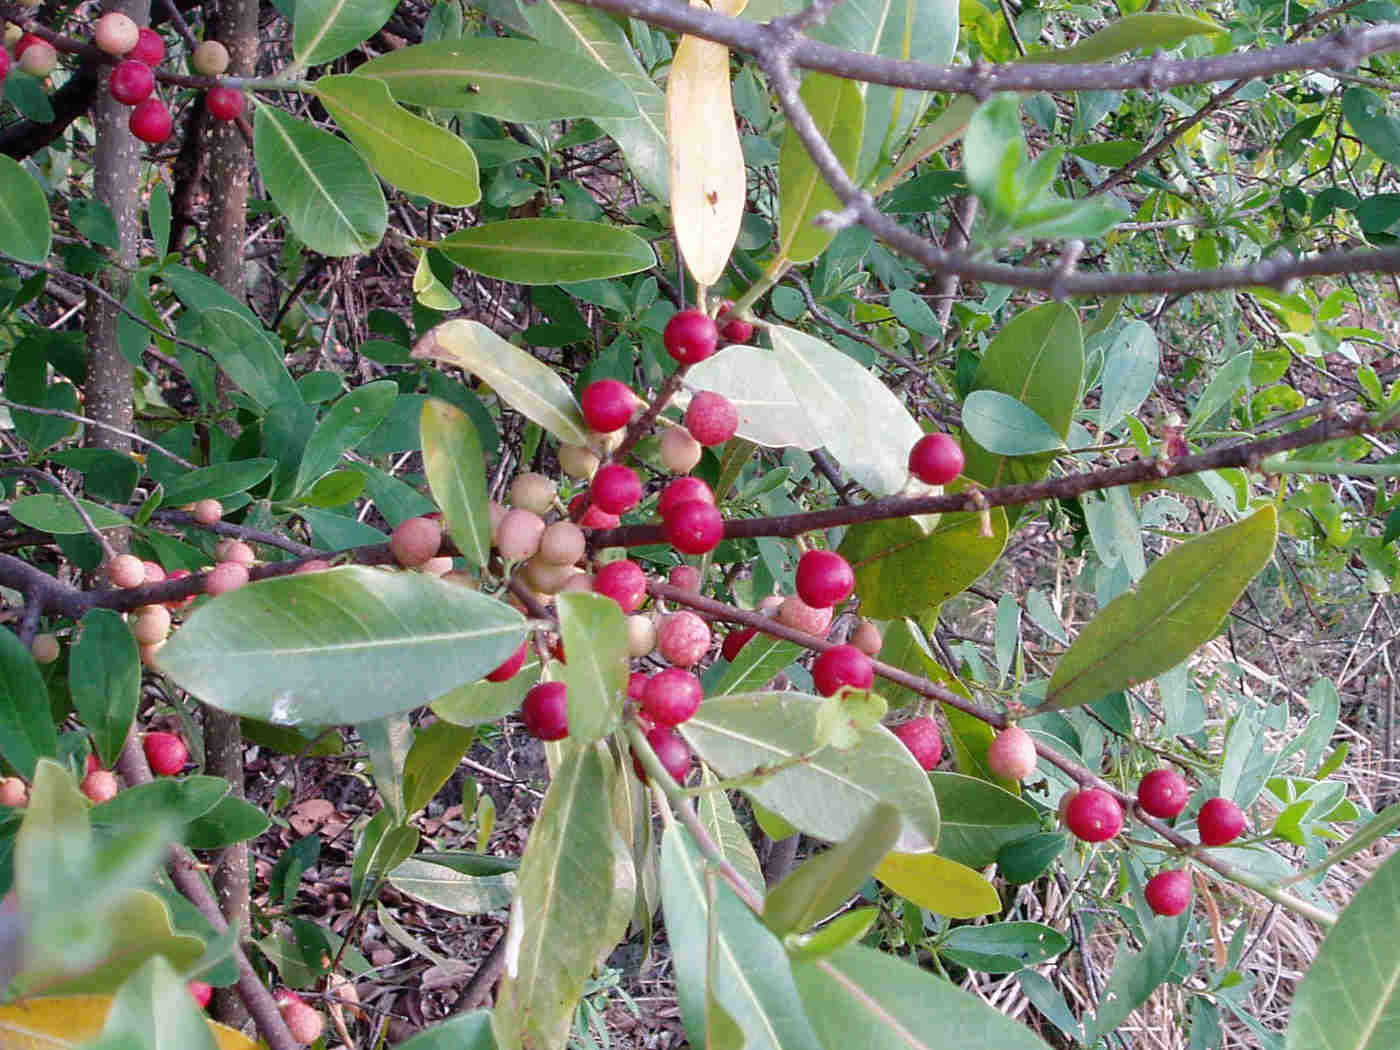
point(939, 884)
point(59, 1022)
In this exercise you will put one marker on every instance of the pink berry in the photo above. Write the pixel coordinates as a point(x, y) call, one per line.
point(150, 48)
point(513, 663)
point(671, 749)
point(25, 42)
point(1163, 793)
point(936, 459)
point(414, 541)
point(131, 82)
point(711, 418)
point(100, 785)
point(615, 489)
point(1012, 754)
point(732, 330)
point(40, 59)
point(201, 993)
point(866, 638)
point(922, 738)
point(735, 640)
point(224, 577)
point(4, 64)
point(150, 121)
point(13, 792)
point(607, 405)
point(824, 578)
point(637, 685)
point(672, 696)
point(166, 753)
point(545, 711)
point(126, 570)
point(685, 578)
point(842, 665)
point(679, 451)
point(1094, 815)
point(694, 527)
point(115, 33)
point(624, 582)
point(690, 337)
point(518, 535)
point(683, 638)
point(302, 1020)
point(797, 614)
point(683, 490)
point(594, 517)
point(1168, 892)
point(207, 511)
point(223, 103)
point(1219, 821)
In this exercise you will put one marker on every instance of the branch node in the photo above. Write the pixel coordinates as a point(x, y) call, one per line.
point(980, 84)
point(1153, 69)
point(1064, 268)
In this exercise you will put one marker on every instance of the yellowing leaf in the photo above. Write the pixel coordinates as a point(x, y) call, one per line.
point(58, 1022)
point(939, 884)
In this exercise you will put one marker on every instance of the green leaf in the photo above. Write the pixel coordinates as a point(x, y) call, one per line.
point(387, 740)
point(859, 997)
point(1005, 426)
point(104, 676)
point(978, 818)
point(456, 469)
point(320, 183)
point(25, 232)
point(566, 879)
point(1027, 859)
point(180, 801)
point(823, 884)
point(1220, 391)
point(1129, 372)
point(1137, 974)
point(453, 891)
point(1154, 29)
point(326, 29)
point(348, 645)
point(478, 703)
point(1176, 607)
point(837, 105)
point(1382, 824)
point(732, 841)
point(829, 794)
point(594, 633)
point(843, 930)
point(994, 148)
point(50, 513)
point(351, 419)
point(433, 758)
point(245, 352)
point(1366, 113)
point(1002, 947)
point(529, 386)
point(547, 251)
point(464, 1032)
point(232, 820)
point(515, 80)
point(758, 662)
point(153, 1010)
point(218, 481)
point(939, 884)
point(749, 975)
point(26, 722)
point(413, 154)
point(384, 844)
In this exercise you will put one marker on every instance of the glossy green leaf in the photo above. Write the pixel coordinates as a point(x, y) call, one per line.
point(232, 820)
point(1006, 427)
point(24, 215)
point(413, 154)
point(939, 884)
point(26, 722)
point(456, 469)
point(769, 412)
point(245, 352)
point(383, 845)
point(326, 29)
point(566, 875)
point(979, 818)
point(758, 662)
point(1366, 113)
point(838, 108)
point(104, 676)
point(217, 482)
point(1002, 947)
point(351, 419)
point(843, 930)
point(55, 514)
point(594, 632)
point(1025, 860)
point(547, 251)
point(463, 1032)
point(829, 794)
point(530, 387)
point(479, 703)
point(320, 183)
point(516, 80)
point(1137, 974)
point(859, 997)
point(347, 645)
point(859, 419)
point(749, 976)
point(180, 800)
point(824, 883)
point(1176, 607)
point(436, 752)
point(453, 891)
point(717, 816)
point(1129, 372)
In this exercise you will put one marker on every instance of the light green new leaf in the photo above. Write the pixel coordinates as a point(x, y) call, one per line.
point(939, 884)
point(347, 645)
point(104, 676)
point(594, 633)
point(838, 107)
point(1220, 391)
point(351, 419)
point(530, 387)
point(516, 80)
point(320, 183)
point(1005, 426)
point(24, 215)
point(453, 891)
point(1176, 607)
point(547, 251)
point(326, 29)
point(413, 154)
point(456, 469)
point(979, 818)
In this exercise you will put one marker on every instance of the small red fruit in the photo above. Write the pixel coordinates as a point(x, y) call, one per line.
point(4, 64)
point(732, 330)
point(512, 665)
point(683, 638)
point(201, 993)
point(1163, 793)
point(686, 578)
point(607, 405)
point(223, 103)
point(690, 337)
point(672, 696)
point(922, 738)
point(795, 613)
point(150, 48)
point(25, 42)
point(842, 665)
point(302, 1020)
point(711, 418)
point(624, 582)
point(132, 82)
point(100, 785)
point(166, 753)
point(1012, 754)
point(936, 459)
point(637, 685)
point(150, 121)
point(13, 792)
point(545, 711)
point(615, 489)
point(694, 527)
point(1094, 815)
point(594, 517)
point(683, 490)
point(671, 749)
point(824, 578)
point(1219, 821)
point(1168, 892)
point(736, 640)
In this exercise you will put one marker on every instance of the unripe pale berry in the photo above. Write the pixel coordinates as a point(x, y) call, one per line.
point(100, 785)
point(236, 550)
point(593, 517)
point(1219, 821)
point(518, 534)
point(132, 82)
point(841, 666)
point(607, 405)
point(414, 541)
point(439, 566)
point(615, 489)
point(578, 462)
point(866, 638)
point(154, 573)
point(683, 490)
point(45, 648)
point(1093, 815)
point(210, 58)
point(690, 337)
point(151, 625)
point(13, 792)
point(201, 993)
point(150, 121)
point(562, 543)
point(671, 696)
point(302, 1020)
point(694, 527)
point(546, 577)
point(24, 42)
point(1168, 892)
point(1163, 793)
point(513, 663)
point(683, 638)
point(800, 616)
point(533, 492)
point(126, 570)
point(148, 653)
point(672, 751)
point(922, 738)
point(770, 604)
point(166, 753)
point(936, 459)
point(711, 418)
point(1012, 754)
point(224, 577)
point(314, 565)
point(150, 48)
point(39, 59)
point(641, 635)
point(824, 578)
point(685, 578)
point(223, 103)
point(208, 511)
point(581, 582)
point(545, 711)
point(116, 33)
point(624, 582)
point(735, 640)
point(680, 451)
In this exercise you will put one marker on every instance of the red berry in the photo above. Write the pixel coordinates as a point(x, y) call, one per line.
point(615, 489)
point(131, 82)
point(683, 638)
point(690, 337)
point(545, 711)
point(842, 665)
point(711, 418)
point(694, 527)
point(223, 103)
point(824, 578)
point(1219, 821)
point(1094, 815)
point(607, 405)
point(1163, 793)
point(4, 64)
point(683, 490)
point(1012, 754)
point(150, 121)
point(624, 582)
point(922, 738)
point(201, 992)
point(513, 664)
point(732, 331)
point(673, 752)
point(936, 459)
point(672, 696)
point(637, 685)
point(686, 578)
point(594, 517)
point(1168, 892)
point(166, 753)
point(736, 640)
point(150, 48)
point(100, 785)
